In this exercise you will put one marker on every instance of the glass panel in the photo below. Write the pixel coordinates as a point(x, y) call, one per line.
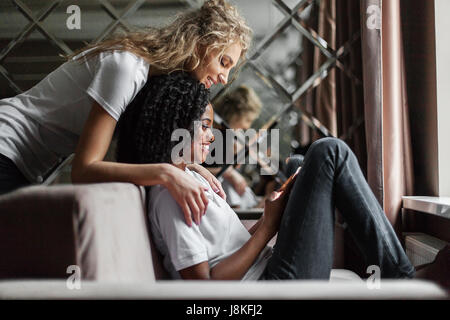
point(310, 127)
point(94, 20)
point(287, 126)
point(156, 13)
point(272, 101)
point(36, 6)
point(291, 3)
point(12, 22)
point(292, 65)
point(5, 89)
point(30, 61)
point(320, 29)
point(261, 16)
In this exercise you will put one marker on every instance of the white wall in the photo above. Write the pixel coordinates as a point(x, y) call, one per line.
point(442, 12)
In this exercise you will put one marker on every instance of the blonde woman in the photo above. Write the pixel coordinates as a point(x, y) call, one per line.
point(76, 107)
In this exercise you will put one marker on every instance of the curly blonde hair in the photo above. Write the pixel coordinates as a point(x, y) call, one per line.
point(215, 26)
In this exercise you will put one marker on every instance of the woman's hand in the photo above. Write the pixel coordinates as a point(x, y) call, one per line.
point(274, 206)
point(187, 192)
point(212, 180)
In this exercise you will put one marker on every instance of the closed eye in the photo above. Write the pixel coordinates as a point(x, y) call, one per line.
point(206, 124)
point(226, 61)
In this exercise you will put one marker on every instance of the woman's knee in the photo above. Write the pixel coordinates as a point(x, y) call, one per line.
point(327, 145)
point(329, 142)
point(293, 163)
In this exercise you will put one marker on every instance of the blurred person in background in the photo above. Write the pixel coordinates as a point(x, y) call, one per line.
point(238, 108)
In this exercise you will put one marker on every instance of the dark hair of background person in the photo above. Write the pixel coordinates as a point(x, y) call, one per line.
point(165, 103)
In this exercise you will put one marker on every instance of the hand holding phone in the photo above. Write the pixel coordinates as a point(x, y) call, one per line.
point(274, 206)
point(287, 185)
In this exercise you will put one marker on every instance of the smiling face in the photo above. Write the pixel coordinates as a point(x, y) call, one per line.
point(216, 67)
point(203, 136)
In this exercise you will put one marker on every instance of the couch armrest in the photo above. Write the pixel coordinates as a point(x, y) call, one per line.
point(99, 227)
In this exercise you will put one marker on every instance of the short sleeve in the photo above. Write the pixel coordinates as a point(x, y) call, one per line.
point(119, 75)
point(186, 245)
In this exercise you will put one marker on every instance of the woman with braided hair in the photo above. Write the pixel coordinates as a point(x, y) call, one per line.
point(76, 107)
point(301, 212)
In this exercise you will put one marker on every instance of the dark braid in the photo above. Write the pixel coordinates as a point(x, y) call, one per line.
point(165, 103)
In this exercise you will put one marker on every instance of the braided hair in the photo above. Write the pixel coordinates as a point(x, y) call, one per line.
point(165, 103)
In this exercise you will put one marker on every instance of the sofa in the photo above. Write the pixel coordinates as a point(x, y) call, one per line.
point(99, 232)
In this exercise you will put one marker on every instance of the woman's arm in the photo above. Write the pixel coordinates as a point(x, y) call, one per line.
point(88, 166)
point(255, 227)
point(235, 266)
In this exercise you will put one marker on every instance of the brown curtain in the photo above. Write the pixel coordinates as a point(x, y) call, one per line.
point(349, 85)
point(397, 152)
point(337, 102)
point(325, 99)
point(321, 102)
point(390, 166)
point(419, 41)
point(371, 63)
point(383, 143)
point(303, 132)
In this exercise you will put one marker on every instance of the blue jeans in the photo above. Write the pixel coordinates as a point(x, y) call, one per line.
point(294, 162)
point(331, 177)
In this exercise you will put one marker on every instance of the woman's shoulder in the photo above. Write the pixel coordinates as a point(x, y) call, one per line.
point(197, 177)
point(116, 58)
point(122, 57)
point(160, 200)
point(157, 194)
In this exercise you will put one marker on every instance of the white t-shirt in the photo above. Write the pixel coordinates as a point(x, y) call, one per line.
point(219, 234)
point(41, 126)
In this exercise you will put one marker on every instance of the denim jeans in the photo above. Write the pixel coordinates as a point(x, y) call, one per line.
point(331, 178)
point(294, 162)
point(10, 177)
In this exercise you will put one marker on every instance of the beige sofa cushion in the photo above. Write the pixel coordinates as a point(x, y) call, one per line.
point(99, 227)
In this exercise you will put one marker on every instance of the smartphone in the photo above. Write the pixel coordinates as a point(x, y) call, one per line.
point(288, 181)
